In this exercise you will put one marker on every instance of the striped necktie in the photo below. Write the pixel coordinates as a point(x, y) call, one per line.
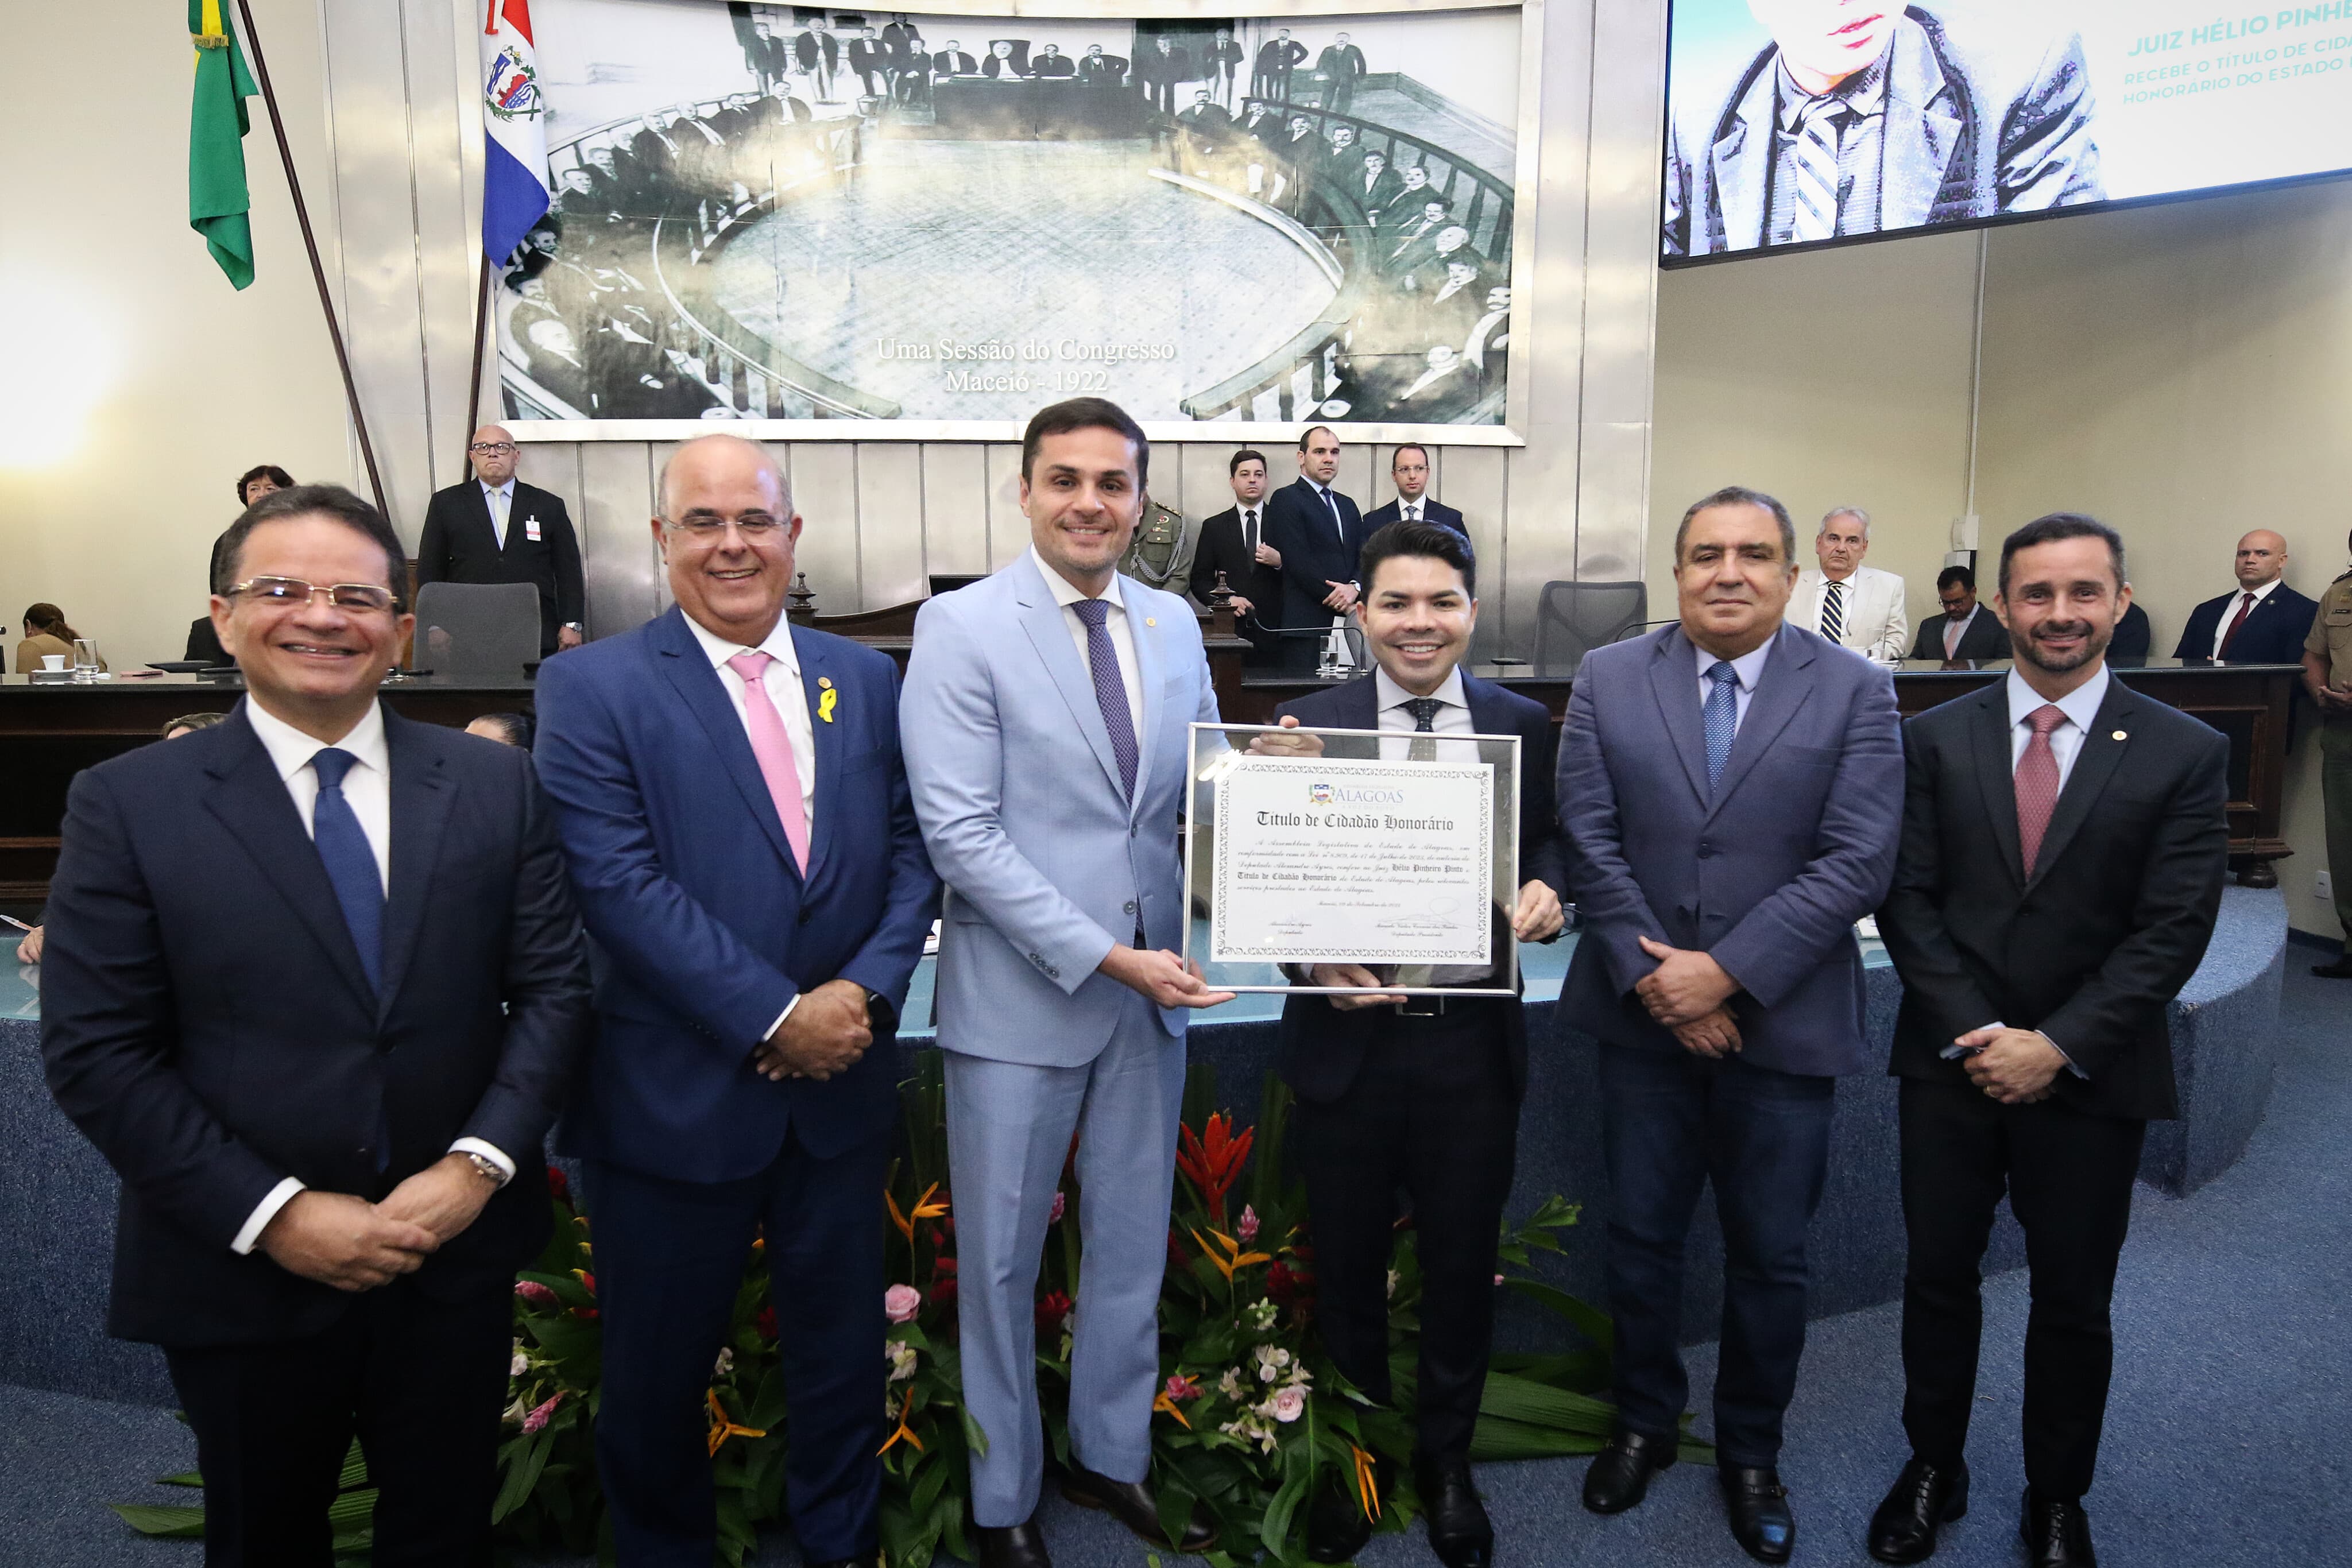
point(1820, 125)
point(1834, 612)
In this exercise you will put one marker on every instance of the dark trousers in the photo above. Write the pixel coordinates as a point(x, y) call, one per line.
point(419, 1382)
point(1430, 1117)
point(1669, 1121)
point(2069, 1178)
point(669, 1260)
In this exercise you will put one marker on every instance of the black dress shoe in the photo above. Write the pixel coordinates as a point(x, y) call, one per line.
point(1337, 1527)
point(1012, 1546)
point(1133, 1504)
point(1459, 1530)
point(2057, 1534)
point(2339, 970)
point(1620, 1474)
point(1923, 1499)
point(1758, 1506)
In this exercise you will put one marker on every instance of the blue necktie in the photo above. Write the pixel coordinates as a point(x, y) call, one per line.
point(1110, 691)
point(1721, 718)
point(350, 864)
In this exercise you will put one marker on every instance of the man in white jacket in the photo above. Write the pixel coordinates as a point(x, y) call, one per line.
point(1857, 606)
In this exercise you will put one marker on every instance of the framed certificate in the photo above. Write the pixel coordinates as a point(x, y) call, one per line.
point(1396, 853)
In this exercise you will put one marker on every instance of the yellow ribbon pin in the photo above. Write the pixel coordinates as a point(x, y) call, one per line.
point(824, 703)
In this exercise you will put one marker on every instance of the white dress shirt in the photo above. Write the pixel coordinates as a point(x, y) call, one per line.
point(1397, 726)
point(499, 498)
point(1876, 624)
point(1746, 667)
point(782, 681)
point(2080, 706)
point(1122, 637)
point(1410, 511)
point(367, 789)
point(1956, 630)
point(1252, 530)
point(1331, 504)
point(2230, 610)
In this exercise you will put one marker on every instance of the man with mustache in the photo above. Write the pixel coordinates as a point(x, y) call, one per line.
point(2063, 846)
point(1730, 787)
point(1864, 115)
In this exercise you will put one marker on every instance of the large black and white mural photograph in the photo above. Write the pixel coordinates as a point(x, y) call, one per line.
point(792, 212)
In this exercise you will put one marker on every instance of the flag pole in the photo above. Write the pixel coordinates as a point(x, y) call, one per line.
point(311, 243)
point(473, 365)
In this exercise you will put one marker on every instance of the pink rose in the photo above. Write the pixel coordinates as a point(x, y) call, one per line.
point(900, 1303)
point(1289, 1403)
point(1248, 1229)
point(1061, 1202)
point(537, 1420)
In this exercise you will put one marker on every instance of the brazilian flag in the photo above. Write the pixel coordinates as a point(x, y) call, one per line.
point(217, 199)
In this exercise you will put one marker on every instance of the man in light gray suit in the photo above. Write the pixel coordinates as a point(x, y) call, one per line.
point(1731, 789)
point(1857, 119)
point(1043, 725)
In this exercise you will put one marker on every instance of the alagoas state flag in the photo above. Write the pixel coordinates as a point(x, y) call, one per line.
point(514, 130)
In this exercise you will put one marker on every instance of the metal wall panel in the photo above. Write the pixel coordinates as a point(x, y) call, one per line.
point(955, 508)
point(1008, 529)
point(626, 582)
point(890, 523)
point(824, 489)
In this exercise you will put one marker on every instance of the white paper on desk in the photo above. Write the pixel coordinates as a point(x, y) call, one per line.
point(1320, 861)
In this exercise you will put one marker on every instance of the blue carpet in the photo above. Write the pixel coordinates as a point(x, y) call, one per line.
point(2225, 1440)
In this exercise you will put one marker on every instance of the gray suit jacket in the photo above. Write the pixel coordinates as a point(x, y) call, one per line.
point(1768, 872)
point(1976, 126)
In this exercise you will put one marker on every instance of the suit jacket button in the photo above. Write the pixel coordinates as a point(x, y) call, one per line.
point(1128, 908)
point(805, 915)
point(1705, 850)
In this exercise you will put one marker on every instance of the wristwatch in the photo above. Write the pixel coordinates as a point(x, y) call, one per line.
point(486, 1167)
point(575, 626)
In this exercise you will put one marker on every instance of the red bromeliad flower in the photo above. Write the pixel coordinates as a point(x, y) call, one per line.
point(558, 1185)
point(1052, 1312)
point(1213, 1161)
point(1281, 1283)
point(766, 1324)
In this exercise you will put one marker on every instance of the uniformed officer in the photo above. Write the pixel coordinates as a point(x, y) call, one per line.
point(1160, 554)
point(2327, 676)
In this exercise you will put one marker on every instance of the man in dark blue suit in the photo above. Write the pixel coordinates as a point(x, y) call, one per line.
point(736, 815)
point(2260, 622)
point(1418, 1096)
point(1732, 790)
point(1408, 470)
point(1320, 536)
point(328, 1110)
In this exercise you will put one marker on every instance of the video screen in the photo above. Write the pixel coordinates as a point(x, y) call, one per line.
point(1804, 122)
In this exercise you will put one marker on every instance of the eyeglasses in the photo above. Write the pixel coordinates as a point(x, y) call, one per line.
point(284, 593)
point(702, 526)
point(492, 448)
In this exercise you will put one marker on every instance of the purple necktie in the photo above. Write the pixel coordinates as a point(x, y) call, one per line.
point(1110, 691)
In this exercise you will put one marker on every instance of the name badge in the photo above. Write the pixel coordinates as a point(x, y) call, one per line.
point(531, 530)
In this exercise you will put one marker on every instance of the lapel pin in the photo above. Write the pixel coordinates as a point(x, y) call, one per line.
point(825, 682)
point(824, 703)
point(1151, 621)
point(2119, 735)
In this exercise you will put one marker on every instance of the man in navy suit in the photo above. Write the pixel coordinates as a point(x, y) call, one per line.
point(2260, 622)
point(1408, 470)
point(1320, 534)
point(495, 529)
point(1965, 630)
point(328, 1111)
point(1732, 788)
point(1418, 1096)
point(732, 803)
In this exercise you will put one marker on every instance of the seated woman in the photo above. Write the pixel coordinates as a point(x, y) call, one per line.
point(46, 634)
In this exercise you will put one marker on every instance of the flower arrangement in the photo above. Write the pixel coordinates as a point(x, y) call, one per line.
point(1251, 1416)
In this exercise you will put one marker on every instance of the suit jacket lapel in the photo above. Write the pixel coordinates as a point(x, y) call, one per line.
point(1742, 165)
point(421, 794)
point(680, 658)
point(818, 665)
point(1919, 138)
point(1673, 681)
point(250, 800)
point(1780, 691)
point(1049, 635)
point(1989, 746)
point(2101, 750)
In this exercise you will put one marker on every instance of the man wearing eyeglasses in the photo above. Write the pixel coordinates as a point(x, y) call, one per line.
point(746, 854)
point(328, 1112)
point(496, 528)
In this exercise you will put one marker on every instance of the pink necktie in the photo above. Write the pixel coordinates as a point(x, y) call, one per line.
point(773, 750)
point(2037, 784)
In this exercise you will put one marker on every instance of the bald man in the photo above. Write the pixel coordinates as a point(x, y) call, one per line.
point(2260, 622)
point(745, 852)
point(496, 528)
